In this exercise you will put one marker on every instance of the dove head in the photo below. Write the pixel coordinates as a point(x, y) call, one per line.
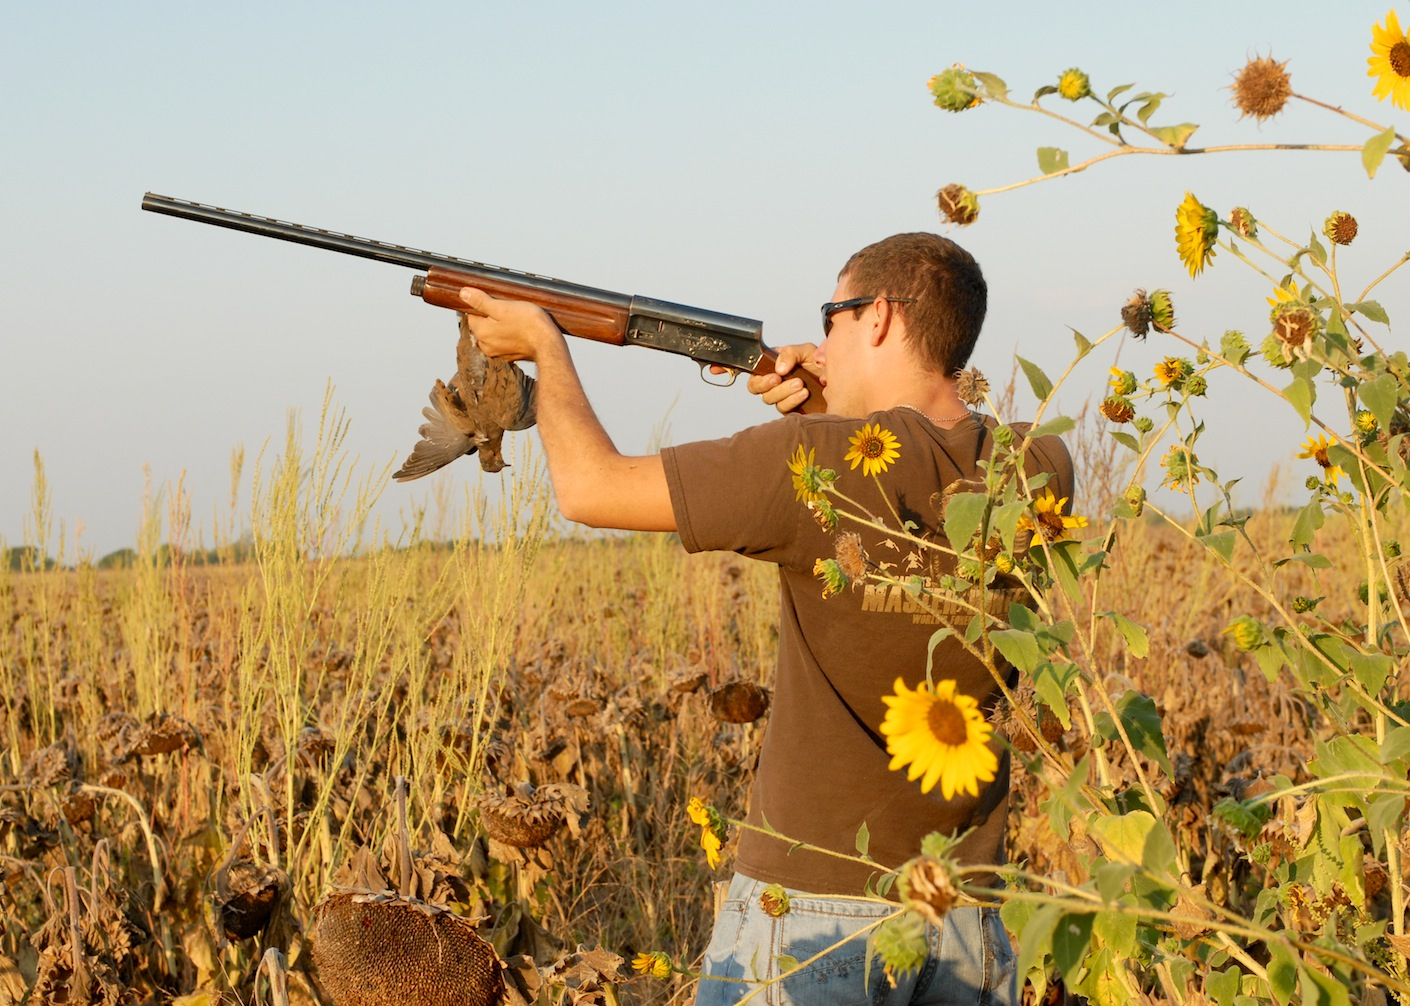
point(491, 458)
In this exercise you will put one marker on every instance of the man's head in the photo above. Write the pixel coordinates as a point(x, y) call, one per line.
point(938, 291)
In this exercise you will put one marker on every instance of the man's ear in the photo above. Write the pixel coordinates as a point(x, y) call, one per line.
point(885, 322)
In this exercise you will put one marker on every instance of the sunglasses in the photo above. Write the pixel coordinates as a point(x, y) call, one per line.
point(832, 307)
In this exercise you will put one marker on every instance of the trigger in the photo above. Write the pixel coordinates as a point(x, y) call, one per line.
point(724, 380)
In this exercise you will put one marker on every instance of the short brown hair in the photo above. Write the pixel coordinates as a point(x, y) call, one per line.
point(947, 289)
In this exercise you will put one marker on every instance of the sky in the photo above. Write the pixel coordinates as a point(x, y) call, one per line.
point(729, 156)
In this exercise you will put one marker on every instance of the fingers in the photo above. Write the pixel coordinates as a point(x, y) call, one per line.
point(476, 300)
point(800, 354)
point(505, 328)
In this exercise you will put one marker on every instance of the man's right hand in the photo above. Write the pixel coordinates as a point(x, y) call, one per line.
point(787, 394)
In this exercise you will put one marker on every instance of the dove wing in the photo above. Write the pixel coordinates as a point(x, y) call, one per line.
point(440, 444)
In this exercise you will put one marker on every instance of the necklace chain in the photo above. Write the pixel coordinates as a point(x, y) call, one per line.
point(948, 419)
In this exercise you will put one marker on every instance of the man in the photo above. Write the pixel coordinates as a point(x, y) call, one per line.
point(903, 320)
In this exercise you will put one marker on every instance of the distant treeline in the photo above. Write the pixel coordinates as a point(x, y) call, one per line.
point(26, 557)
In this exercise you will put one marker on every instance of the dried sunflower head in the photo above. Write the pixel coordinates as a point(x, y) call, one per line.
point(1262, 88)
point(958, 205)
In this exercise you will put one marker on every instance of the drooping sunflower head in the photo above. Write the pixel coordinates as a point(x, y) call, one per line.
point(1136, 314)
point(958, 205)
point(1172, 370)
point(1047, 519)
point(1316, 449)
point(1162, 310)
point(1181, 468)
point(939, 735)
point(1118, 409)
point(1294, 326)
point(1262, 88)
point(1122, 382)
point(807, 483)
point(874, 448)
point(1389, 62)
point(712, 829)
point(653, 963)
point(1196, 228)
point(955, 89)
point(1074, 85)
point(1243, 223)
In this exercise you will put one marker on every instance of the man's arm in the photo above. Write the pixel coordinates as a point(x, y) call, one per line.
point(595, 484)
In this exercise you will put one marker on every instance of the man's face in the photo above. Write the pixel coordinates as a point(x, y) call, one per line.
point(840, 354)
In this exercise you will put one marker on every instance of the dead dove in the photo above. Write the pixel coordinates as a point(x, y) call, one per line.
point(484, 398)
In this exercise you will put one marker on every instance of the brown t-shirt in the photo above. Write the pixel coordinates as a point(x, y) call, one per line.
point(823, 765)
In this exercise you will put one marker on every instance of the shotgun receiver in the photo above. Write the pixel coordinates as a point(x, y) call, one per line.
point(707, 337)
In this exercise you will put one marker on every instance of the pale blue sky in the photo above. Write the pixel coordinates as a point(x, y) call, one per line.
point(729, 156)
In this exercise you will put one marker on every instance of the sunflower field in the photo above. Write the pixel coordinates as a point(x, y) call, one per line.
point(306, 764)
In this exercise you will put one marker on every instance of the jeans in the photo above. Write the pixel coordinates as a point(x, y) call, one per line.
point(970, 960)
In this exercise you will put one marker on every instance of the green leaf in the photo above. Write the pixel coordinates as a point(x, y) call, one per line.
point(1174, 137)
point(1124, 837)
point(1300, 395)
point(1371, 669)
point(1052, 159)
point(1372, 310)
point(1396, 745)
point(863, 839)
point(1315, 250)
point(1019, 648)
point(1381, 397)
point(1111, 879)
point(1034, 938)
point(1126, 440)
point(1223, 985)
point(787, 963)
point(1375, 151)
point(964, 513)
point(1118, 931)
point(1134, 634)
point(1084, 344)
point(1312, 560)
point(1141, 721)
point(1309, 522)
point(1037, 380)
point(936, 638)
point(1282, 973)
point(1052, 428)
point(1221, 544)
point(1071, 935)
point(992, 84)
point(1050, 683)
point(1148, 109)
point(1045, 89)
point(1323, 990)
point(1111, 95)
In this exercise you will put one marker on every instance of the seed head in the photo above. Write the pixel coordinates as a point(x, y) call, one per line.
point(1118, 409)
point(928, 889)
point(1241, 220)
point(774, 901)
point(1136, 314)
point(971, 386)
point(1340, 227)
point(1162, 311)
point(958, 205)
point(1135, 497)
point(851, 556)
point(1262, 88)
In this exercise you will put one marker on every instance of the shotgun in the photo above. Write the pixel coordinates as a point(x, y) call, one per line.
point(709, 338)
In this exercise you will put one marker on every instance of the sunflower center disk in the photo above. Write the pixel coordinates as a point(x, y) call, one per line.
point(1399, 57)
point(947, 723)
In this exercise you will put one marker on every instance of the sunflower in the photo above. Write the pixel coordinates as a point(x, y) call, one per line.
point(712, 829)
point(941, 735)
point(1074, 85)
point(873, 448)
point(1196, 227)
point(1316, 449)
point(1122, 382)
point(805, 485)
point(1181, 468)
point(1172, 370)
point(1047, 518)
point(653, 963)
point(1390, 62)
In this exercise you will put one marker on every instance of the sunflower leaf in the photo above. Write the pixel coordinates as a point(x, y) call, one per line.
point(1174, 137)
point(1045, 89)
point(964, 513)
point(863, 839)
point(1315, 250)
point(1084, 344)
point(1053, 427)
point(1111, 95)
point(993, 85)
point(1019, 648)
point(1308, 522)
point(1300, 394)
point(1374, 152)
point(1052, 159)
point(1148, 109)
point(1371, 309)
point(1134, 634)
point(1070, 938)
point(1141, 722)
point(1126, 440)
point(1037, 380)
point(1381, 397)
